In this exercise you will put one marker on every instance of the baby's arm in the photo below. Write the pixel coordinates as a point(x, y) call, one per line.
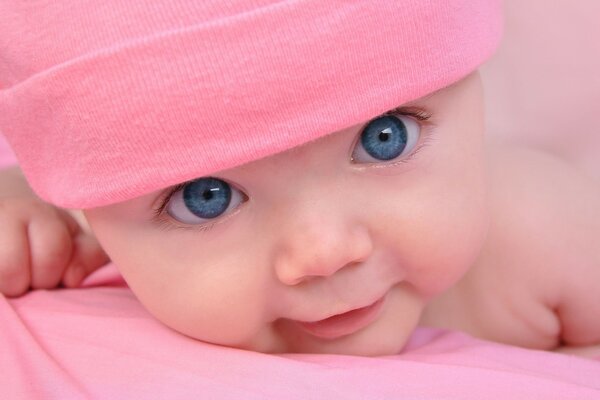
point(40, 245)
point(579, 295)
point(558, 211)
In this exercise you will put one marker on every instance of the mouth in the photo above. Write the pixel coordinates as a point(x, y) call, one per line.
point(344, 324)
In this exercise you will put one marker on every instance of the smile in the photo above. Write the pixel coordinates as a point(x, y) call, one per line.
point(344, 324)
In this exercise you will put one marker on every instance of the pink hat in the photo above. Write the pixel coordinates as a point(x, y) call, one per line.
point(106, 101)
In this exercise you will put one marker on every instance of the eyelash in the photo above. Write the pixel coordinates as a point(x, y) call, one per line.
point(165, 225)
point(162, 223)
point(415, 112)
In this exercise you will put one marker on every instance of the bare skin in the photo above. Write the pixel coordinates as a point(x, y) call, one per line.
point(42, 246)
point(499, 242)
point(536, 282)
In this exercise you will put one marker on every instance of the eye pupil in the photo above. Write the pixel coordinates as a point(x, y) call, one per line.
point(207, 195)
point(384, 137)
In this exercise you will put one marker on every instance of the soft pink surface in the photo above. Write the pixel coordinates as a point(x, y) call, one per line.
point(99, 342)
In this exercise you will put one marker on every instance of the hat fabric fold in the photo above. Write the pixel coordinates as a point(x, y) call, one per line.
point(104, 103)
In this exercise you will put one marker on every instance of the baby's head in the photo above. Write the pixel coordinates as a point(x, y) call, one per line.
point(251, 223)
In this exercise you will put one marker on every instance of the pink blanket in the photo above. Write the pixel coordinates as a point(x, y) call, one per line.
point(98, 342)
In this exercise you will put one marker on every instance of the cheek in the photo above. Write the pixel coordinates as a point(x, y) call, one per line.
point(439, 219)
point(199, 289)
point(216, 302)
point(447, 240)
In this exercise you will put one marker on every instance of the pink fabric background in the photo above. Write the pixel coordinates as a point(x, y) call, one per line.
point(98, 342)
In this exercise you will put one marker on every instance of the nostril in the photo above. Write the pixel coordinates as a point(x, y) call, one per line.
point(295, 271)
point(300, 259)
point(302, 280)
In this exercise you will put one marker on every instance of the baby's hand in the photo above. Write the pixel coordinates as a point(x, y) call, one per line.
point(41, 246)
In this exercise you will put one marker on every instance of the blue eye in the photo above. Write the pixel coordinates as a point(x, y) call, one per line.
point(203, 199)
point(386, 138)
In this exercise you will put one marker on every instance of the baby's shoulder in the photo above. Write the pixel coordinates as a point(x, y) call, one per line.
point(542, 204)
point(540, 198)
point(544, 243)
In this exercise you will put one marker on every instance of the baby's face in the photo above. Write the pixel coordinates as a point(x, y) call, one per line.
point(378, 217)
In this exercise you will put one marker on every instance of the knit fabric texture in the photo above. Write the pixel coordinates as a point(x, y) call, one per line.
point(107, 101)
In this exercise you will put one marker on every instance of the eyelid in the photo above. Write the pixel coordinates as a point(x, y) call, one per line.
point(418, 113)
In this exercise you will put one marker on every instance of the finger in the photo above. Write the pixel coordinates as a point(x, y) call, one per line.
point(72, 224)
point(14, 258)
point(87, 257)
point(50, 247)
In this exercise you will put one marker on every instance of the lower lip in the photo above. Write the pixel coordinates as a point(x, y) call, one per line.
point(344, 324)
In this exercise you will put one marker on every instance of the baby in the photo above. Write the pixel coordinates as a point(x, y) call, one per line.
point(320, 223)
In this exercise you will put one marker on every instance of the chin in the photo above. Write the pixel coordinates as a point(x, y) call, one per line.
point(370, 349)
point(354, 345)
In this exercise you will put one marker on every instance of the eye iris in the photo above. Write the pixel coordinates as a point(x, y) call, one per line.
point(207, 197)
point(384, 138)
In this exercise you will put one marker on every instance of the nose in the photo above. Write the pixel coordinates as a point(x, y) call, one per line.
point(320, 249)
